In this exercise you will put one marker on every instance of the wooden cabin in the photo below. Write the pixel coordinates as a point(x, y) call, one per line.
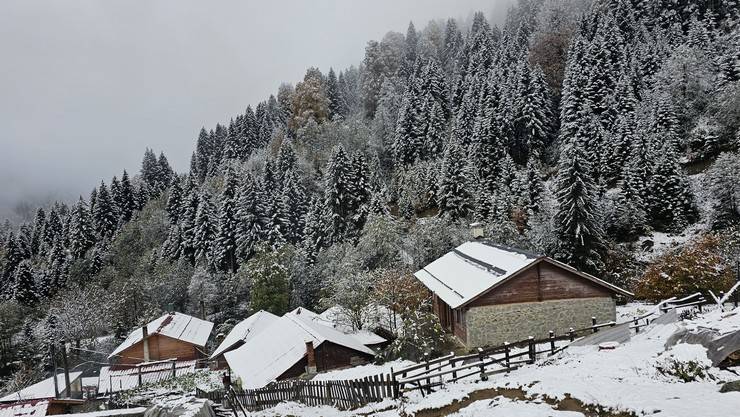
point(174, 336)
point(298, 342)
point(44, 398)
point(487, 294)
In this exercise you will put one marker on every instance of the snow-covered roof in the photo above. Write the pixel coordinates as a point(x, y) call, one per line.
point(175, 325)
point(41, 390)
point(25, 409)
point(283, 343)
point(470, 269)
point(126, 379)
point(245, 330)
point(477, 266)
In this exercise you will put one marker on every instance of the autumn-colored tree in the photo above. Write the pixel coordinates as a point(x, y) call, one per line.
point(698, 266)
point(400, 292)
point(309, 101)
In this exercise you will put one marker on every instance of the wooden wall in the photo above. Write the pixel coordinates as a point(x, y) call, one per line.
point(160, 348)
point(328, 356)
point(541, 282)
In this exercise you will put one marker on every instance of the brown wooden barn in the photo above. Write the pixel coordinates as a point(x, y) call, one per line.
point(173, 336)
point(487, 294)
point(294, 344)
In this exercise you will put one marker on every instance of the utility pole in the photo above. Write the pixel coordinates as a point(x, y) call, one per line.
point(54, 369)
point(66, 370)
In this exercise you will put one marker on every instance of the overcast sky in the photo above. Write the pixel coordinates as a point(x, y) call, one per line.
point(86, 85)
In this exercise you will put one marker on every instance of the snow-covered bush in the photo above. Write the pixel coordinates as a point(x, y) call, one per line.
point(685, 362)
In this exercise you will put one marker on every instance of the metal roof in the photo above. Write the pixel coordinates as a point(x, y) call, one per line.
point(175, 325)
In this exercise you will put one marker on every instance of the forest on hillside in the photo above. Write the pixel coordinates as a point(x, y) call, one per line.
point(582, 130)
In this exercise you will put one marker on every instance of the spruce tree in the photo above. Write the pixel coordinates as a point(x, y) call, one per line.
point(293, 207)
point(670, 201)
point(81, 233)
point(338, 194)
point(578, 226)
point(150, 170)
point(205, 230)
point(226, 238)
point(104, 215)
point(127, 200)
point(174, 202)
point(249, 212)
point(333, 95)
point(454, 190)
point(24, 285)
point(11, 259)
point(39, 222)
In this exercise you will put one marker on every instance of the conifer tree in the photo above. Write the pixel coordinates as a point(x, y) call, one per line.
point(316, 229)
point(150, 170)
point(249, 213)
point(24, 285)
point(11, 259)
point(205, 230)
point(338, 194)
point(670, 200)
point(454, 195)
point(166, 173)
point(53, 227)
point(39, 222)
point(410, 51)
point(127, 200)
point(226, 238)
point(293, 206)
point(333, 94)
point(188, 225)
point(578, 226)
point(174, 202)
point(81, 232)
point(104, 215)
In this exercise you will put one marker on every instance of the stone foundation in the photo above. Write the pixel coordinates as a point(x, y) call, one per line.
point(496, 324)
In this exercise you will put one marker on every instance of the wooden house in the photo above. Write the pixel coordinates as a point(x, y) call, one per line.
point(487, 294)
point(294, 344)
point(240, 334)
point(44, 398)
point(173, 336)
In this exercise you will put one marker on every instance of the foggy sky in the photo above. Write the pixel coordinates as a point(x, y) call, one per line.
point(86, 85)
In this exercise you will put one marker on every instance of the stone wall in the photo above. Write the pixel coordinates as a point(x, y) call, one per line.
point(495, 324)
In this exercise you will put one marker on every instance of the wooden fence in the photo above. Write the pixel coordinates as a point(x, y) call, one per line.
point(343, 394)
point(431, 373)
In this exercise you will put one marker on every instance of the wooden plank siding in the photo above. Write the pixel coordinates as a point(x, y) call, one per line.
point(160, 348)
point(542, 281)
point(328, 356)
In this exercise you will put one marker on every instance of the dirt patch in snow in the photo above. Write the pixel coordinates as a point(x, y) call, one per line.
point(566, 404)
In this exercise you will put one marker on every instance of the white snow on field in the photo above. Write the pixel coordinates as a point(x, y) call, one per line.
point(504, 407)
point(663, 242)
point(358, 372)
point(629, 311)
point(717, 320)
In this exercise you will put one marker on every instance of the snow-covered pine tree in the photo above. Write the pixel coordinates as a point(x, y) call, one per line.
point(105, 218)
point(189, 211)
point(293, 208)
point(53, 227)
point(316, 229)
point(578, 226)
point(249, 213)
point(11, 258)
point(338, 194)
point(166, 173)
point(127, 200)
point(174, 202)
point(225, 243)
point(24, 285)
point(333, 94)
point(81, 233)
point(205, 230)
point(454, 192)
point(39, 221)
point(150, 170)
point(670, 201)
point(410, 52)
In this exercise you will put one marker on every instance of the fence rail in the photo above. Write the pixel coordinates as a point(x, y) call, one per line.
point(431, 373)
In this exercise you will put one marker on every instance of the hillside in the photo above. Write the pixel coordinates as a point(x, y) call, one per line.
point(598, 133)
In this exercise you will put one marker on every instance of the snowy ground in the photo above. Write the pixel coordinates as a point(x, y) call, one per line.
point(631, 378)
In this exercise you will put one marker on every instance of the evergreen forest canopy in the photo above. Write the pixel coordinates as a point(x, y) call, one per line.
point(575, 130)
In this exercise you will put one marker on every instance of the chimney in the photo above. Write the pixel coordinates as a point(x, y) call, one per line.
point(145, 338)
point(310, 358)
point(476, 230)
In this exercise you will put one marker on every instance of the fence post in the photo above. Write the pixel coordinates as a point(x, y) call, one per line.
point(138, 372)
point(552, 342)
point(593, 324)
point(483, 376)
point(530, 343)
point(637, 326)
point(174, 369)
point(452, 365)
point(426, 367)
point(507, 356)
point(572, 334)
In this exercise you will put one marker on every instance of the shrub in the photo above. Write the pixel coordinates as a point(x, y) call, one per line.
point(697, 267)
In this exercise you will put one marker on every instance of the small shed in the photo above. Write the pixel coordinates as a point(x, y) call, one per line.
point(174, 336)
point(292, 345)
point(487, 294)
point(40, 399)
